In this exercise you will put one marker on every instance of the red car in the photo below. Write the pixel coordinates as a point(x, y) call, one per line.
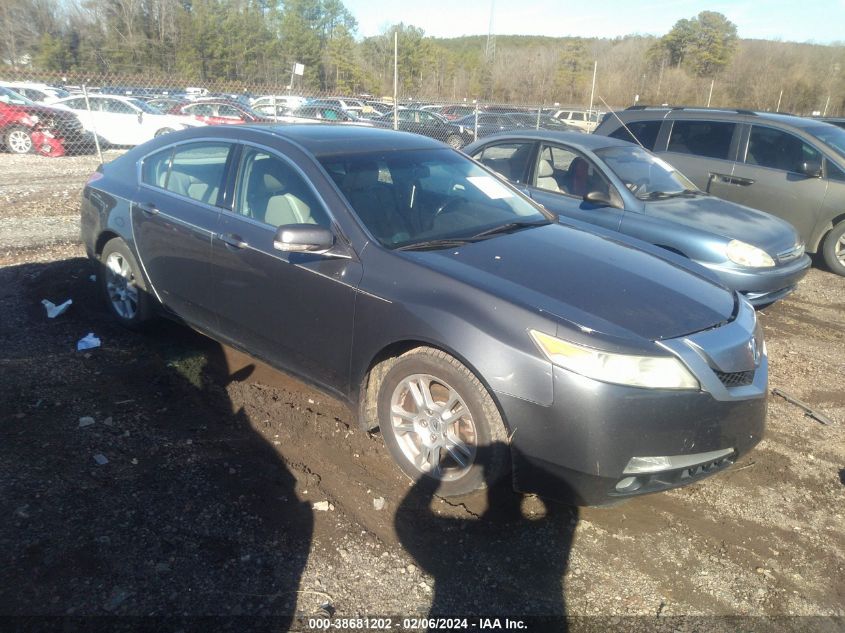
point(28, 127)
point(218, 112)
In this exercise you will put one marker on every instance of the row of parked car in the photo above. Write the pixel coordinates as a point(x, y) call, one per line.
point(126, 117)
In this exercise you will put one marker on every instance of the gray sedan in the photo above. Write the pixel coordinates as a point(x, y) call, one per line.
point(623, 187)
point(404, 278)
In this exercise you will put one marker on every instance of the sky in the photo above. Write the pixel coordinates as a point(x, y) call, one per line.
point(818, 21)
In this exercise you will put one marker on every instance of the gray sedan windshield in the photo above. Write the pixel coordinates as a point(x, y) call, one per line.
point(646, 175)
point(429, 198)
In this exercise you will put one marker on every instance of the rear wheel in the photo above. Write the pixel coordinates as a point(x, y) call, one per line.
point(18, 140)
point(834, 249)
point(123, 286)
point(438, 421)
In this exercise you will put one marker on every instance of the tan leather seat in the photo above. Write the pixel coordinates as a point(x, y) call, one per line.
point(546, 176)
point(287, 209)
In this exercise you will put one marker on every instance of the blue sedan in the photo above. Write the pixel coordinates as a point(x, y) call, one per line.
point(623, 187)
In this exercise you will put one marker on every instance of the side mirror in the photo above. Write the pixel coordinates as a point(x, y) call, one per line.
point(599, 198)
point(303, 238)
point(811, 169)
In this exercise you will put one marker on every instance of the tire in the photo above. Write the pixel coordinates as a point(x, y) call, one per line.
point(163, 131)
point(123, 285)
point(833, 249)
point(454, 141)
point(480, 456)
point(18, 140)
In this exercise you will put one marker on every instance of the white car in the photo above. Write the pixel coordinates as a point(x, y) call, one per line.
point(587, 120)
point(289, 102)
point(124, 120)
point(37, 92)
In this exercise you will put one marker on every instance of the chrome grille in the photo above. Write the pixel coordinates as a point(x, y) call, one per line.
point(735, 378)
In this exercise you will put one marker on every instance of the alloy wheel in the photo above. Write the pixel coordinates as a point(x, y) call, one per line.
point(19, 142)
point(120, 286)
point(839, 250)
point(433, 427)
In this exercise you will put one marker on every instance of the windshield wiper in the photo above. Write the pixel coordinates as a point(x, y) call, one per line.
point(657, 195)
point(433, 244)
point(509, 227)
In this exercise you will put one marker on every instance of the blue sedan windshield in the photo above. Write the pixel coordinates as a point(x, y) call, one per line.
point(429, 198)
point(643, 173)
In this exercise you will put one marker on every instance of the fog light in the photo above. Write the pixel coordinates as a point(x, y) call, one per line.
point(629, 484)
point(639, 465)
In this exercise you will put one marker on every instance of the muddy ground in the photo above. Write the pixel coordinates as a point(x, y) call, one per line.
point(205, 504)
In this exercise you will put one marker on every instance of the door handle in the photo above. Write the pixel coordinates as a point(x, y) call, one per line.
point(148, 207)
point(230, 239)
point(731, 180)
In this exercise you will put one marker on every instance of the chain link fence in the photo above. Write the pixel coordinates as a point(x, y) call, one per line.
point(57, 115)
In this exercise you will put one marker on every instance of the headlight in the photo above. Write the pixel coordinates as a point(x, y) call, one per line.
point(744, 254)
point(653, 372)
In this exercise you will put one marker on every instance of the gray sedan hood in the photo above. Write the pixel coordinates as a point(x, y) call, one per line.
point(729, 220)
point(593, 282)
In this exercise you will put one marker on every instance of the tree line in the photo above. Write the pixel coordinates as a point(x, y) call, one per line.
point(253, 44)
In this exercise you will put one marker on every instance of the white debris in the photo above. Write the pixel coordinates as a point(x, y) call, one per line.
point(85, 420)
point(53, 310)
point(92, 277)
point(89, 341)
point(378, 503)
point(322, 506)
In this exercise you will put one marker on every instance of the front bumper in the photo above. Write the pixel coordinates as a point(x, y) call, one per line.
point(577, 450)
point(767, 285)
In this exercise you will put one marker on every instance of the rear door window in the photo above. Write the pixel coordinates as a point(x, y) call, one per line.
point(508, 159)
point(197, 170)
point(645, 132)
point(711, 139)
point(768, 147)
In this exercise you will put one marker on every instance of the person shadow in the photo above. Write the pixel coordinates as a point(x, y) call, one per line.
point(497, 563)
point(191, 511)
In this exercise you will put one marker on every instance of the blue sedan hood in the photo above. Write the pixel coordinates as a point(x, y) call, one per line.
point(588, 280)
point(729, 220)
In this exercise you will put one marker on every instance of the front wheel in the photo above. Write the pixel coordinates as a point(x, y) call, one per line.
point(438, 421)
point(455, 141)
point(834, 249)
point(123, 286)
point(18, 140)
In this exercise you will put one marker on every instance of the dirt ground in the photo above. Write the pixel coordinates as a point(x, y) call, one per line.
point(209, 498)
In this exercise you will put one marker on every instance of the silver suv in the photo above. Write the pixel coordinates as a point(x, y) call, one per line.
point(787, 165)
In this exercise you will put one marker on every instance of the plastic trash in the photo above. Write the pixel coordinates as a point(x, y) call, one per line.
point(54, 310)
point(89, 341)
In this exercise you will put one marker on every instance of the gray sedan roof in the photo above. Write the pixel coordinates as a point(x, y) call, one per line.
point(325, 139)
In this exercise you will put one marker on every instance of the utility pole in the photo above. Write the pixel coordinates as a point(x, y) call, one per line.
point(593, 89)
point(780, 96)
point(396, 80)
point(490, 51)
point(710, 96)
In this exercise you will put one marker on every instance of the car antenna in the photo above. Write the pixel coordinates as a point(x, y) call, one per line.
point(627, 129)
